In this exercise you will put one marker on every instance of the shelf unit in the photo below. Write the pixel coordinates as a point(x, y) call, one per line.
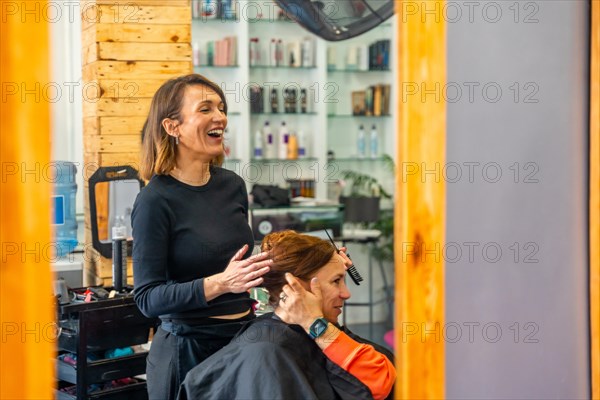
point(329, 123)
point(95, 327)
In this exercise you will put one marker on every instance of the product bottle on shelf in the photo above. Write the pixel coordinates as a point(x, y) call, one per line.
point(280, 51)
point(292, 147)
point(269, 149)
point(258, 53)
point(274, 100)
point(360, 142)
point(286, 101)
point(374, 142)
point(196, 54)
point(209, 9)
point(283, 141)
point(253, 51)
point(273, 53)
point(230, 150)
point(308, 52)
point(293, 95)
point(303, 101)
point(331, 58)
point(302, 149)
point(258, 145)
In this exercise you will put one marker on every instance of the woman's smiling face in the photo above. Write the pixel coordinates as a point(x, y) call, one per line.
point(333, 287)
point(203, 121)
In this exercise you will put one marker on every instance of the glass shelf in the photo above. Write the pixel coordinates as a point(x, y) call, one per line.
point(314, 205)
point(362, 71)
point(268, 160)
point(198, 67)
point(232, 160)
point(356, 159)
point(270, 21)
point(281, 114)
point(214, 20)
point(258, 67)
point(357, 116)
point(350, 20)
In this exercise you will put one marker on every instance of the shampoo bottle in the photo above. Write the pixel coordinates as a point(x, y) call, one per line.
point(269, 150)
point(258, 145)
point(283, 141)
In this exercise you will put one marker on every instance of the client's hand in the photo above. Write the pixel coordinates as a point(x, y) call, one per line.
point(241, 275)
point(347, 260)
point(300, 306)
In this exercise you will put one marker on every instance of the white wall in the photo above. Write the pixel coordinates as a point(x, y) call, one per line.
point(66, 112)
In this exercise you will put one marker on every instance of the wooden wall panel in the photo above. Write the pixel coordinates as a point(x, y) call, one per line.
point(129, 49)
point(595, 198)
point(133, 12)
point(145, 51)
point(117, 107)
point(113, 144)
point(134, 70)
point(94, 126)
point(420, 211)
point(139, 33)
point(142, 88)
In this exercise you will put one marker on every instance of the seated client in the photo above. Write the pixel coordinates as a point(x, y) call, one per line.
point(299, 351)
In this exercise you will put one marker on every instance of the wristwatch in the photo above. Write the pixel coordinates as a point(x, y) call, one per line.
point(318, 327)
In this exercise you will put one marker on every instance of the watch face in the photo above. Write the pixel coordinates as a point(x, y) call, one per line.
point(265, 227)
point(318, 327)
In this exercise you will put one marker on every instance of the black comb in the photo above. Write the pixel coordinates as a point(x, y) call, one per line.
point(352, 271)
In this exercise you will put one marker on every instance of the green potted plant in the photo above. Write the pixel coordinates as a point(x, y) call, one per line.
point(363, 194)
point(362, 205)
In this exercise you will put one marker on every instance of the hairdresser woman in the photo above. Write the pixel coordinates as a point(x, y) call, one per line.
point(192, 258)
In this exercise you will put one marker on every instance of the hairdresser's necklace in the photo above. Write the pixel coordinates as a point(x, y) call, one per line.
point(175, 173)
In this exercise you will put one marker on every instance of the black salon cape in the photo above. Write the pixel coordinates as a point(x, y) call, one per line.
point(270, 360)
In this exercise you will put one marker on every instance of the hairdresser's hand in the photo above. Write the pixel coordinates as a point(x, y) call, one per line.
point(301, 307)
point(239, 276)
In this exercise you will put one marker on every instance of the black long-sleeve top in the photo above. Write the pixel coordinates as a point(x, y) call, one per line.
point(182, 234)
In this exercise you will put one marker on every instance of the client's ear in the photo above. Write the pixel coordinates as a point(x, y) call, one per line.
point(305, 284)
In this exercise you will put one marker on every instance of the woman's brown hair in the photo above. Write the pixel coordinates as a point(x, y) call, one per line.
point(300, 255)
point(158, 147)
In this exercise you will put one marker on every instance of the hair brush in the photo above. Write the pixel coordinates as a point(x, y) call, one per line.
point(352, 271)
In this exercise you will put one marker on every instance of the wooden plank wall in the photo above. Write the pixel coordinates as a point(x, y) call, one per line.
point(595, 198)
point(129, 48)
point(419, 220)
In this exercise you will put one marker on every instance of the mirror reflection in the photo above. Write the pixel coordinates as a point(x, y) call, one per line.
point(114, 202)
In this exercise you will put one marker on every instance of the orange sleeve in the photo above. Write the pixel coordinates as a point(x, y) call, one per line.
point(364, 362)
